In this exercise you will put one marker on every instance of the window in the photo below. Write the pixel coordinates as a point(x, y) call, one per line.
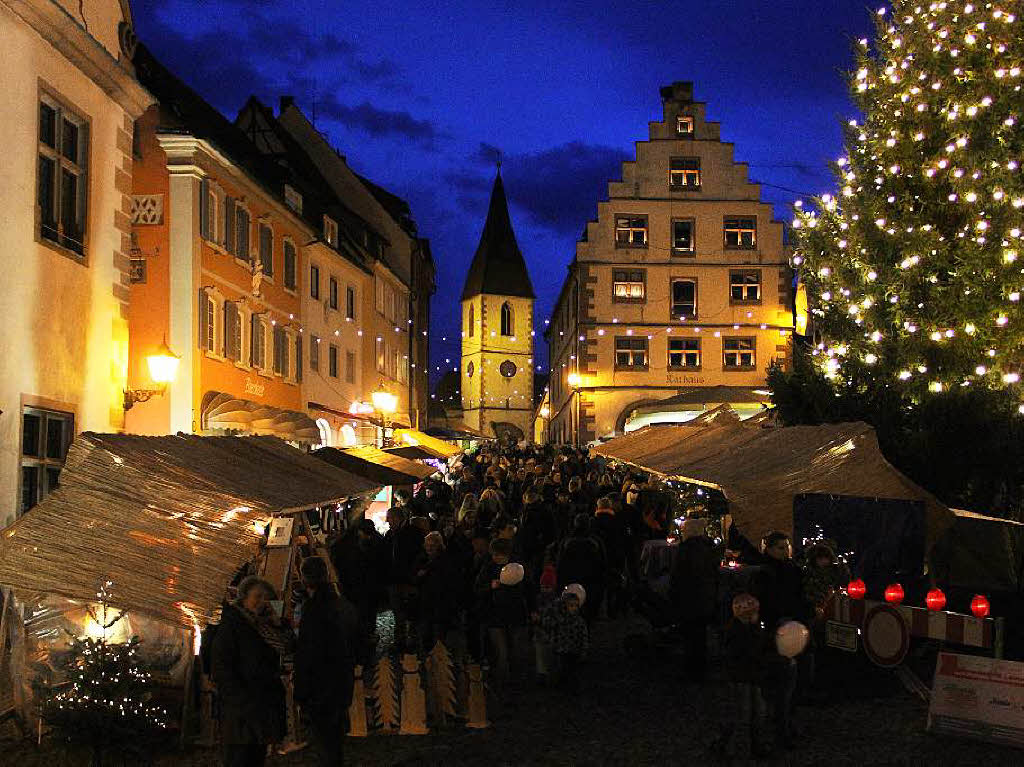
point(331, 231)
point(292, 199)
point(62, 183)
point(683, 237)
point(631, 352)
point(242, 225)
point(381, 353)
point(684, 299)
point(738, 353)
point(209, 207)
point(232, 332)
point(402, 366)
point(258, 343)
point(745, 286)
point(684, 352)
point(631, 231)
point(207, 322)
point(379, 289)
point(507, 323)
point(314, 281)
point(333, 292)
point(267, 249)
point(350, 302)
point(280, 352)
point(472, 320)
point(350, 367)
point(684, 172)
point(741, 232)
point(332, 361)
point(684, 125)
point(314, 353)
point(45, 438)
point(628, 284)
point(289, 265)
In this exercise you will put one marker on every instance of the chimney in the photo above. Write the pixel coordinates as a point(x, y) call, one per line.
point(681, 92)
point(286, 101)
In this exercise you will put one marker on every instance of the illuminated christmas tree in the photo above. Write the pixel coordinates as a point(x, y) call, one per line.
point(104, 702)
point(915, 270)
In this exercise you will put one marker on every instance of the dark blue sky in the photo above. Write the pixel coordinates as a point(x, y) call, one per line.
point(418, 95)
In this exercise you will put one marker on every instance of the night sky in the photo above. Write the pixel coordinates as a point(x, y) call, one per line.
point(421, 96)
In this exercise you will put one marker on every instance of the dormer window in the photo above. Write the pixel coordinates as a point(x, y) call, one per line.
point(684, 125)
point(292, 199)
point(331, 231)
point(684, 173)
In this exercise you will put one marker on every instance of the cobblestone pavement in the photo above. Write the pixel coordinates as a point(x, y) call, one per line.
point(633, 710)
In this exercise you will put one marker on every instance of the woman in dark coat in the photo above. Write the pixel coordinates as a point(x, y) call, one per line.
point(246, 670)
point(582, 560)
point(694, 593)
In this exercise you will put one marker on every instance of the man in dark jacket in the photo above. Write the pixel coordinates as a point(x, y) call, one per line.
point(404, 542)
point(693, 590)
point(246, 670)
point(323, 663)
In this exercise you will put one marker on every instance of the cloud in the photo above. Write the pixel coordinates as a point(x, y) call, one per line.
point(378, 122)
point(558, 188)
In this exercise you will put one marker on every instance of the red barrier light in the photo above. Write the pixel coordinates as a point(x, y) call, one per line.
point(894, 593)
point(935, 599)
point(856, 589)
point(980, 606)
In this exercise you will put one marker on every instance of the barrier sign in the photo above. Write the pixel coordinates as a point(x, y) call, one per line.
point(980, 698)
point(842, 636)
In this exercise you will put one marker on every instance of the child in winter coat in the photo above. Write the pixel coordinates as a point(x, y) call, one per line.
point(564, 629)
point(547, 597)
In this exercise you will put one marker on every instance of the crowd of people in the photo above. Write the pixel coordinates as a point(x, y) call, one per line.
point(510, 560)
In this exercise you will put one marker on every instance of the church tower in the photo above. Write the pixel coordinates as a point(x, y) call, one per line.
point(497, 330)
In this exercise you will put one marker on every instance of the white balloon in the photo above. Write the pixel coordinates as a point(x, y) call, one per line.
point(511, 574)
point(791, 639)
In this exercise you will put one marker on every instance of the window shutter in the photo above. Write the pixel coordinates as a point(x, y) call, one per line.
point(227, 329)
point(204, 212)
point(298, 358)
point(203, 299)
point(229, 224)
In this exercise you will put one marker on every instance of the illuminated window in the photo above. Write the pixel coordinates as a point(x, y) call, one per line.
point(330, 231)
point(348, 436)
point(684, 125)
point(684, 352)
point(745, 286)
point(738, 353)
point(741, 232)
point(684, 172)
point(628, 284)
point(45, 438)
point(684, 299)
point(631, 231)
point(62, 177)
point(507, 324)
point(683, 237)
point(631, 352)
point(325, 432)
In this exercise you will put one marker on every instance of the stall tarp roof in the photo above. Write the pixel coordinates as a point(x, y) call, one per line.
point(376, 464)
point(226, 411)
point(762, 469)
point(415, 438)
point(981, 553)
point(169, 520)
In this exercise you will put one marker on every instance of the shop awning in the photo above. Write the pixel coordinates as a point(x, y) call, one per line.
point(378, 465)
point(169, 520)
point(761, 469)
point(231, 413)
point(413, 438)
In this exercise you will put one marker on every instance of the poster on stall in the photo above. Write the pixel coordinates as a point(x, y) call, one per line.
point(979, 698)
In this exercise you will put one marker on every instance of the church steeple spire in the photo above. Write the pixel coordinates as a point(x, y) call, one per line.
point(498, 266)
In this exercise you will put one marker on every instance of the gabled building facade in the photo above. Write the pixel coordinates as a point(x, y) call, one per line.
point(70, 99)
point(679, 296)
point(497, 331)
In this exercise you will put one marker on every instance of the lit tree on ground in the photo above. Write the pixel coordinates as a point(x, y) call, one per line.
point(915, 269)
point(104, 703)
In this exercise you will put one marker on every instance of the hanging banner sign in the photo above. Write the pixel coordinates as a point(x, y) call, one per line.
point(979, 698)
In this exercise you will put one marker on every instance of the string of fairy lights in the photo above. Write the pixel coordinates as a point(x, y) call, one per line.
point(912, 269)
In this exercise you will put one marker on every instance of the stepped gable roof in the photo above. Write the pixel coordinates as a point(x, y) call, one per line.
point(498, 266)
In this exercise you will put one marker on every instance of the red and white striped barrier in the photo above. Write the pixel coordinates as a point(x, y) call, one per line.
point(886, 628)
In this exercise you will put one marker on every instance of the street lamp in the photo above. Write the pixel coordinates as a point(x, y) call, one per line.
point(163, 367)
point(385, 403)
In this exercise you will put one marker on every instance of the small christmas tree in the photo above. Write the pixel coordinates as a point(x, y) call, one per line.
point(441, 678)
point(385, 693)
point(104, 703)
point(914, 269)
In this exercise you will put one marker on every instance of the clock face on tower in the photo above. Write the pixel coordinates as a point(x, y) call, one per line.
point(507, 368)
